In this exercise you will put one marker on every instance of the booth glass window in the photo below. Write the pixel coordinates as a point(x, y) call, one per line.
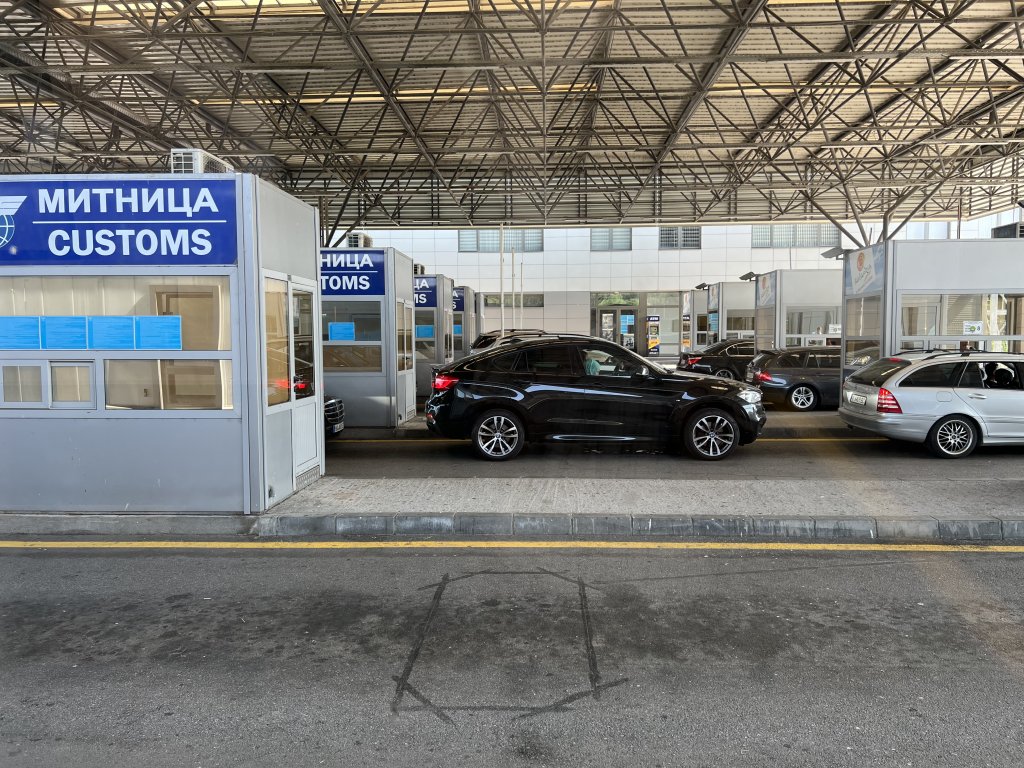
point(278, 373)
point(303, 342)
point(459, 320)
point(354, 358)
point(170, 385)
point(920, 314)
point(70, 384)
point(22, 384)
point(952, 320)
point(352, 320)
point(739, 322)
point(352, 336)
point(403, 336)
point(426, 341)
point(203, 303)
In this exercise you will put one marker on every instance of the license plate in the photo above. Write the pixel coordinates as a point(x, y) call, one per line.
point(858, 399)
point(335, 428)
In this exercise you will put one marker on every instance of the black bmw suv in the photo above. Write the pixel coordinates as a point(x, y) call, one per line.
point(584, 389)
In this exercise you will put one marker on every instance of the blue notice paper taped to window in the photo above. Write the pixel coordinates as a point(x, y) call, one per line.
point(158, 332)
point(458, 330)
point(341, 331)
point(424, 331)
point(19, 333)
point(115, 332)
point(63, 332)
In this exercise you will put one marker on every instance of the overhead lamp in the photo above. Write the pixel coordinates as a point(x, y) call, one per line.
point(834, 253)
point(749, 276)
point(700, 286)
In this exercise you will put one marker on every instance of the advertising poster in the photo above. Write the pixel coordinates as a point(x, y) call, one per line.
point(766, 289)
point(713, 297)
point(865, 270)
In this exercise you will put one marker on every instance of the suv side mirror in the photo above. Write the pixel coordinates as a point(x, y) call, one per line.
point(642, 372)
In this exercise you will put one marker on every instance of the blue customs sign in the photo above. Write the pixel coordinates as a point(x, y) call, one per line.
point(458, 300)
point(345, 272)
point(117, 220)
point(425, 289)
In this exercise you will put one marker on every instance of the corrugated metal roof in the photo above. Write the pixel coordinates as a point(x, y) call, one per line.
point(473, 112)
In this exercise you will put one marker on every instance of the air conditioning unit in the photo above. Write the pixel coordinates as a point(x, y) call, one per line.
point(418, 269)
point(190, 161)
point(1015, 230)
point(358, 240)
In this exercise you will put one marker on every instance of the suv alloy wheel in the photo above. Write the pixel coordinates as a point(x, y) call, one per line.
point(710, 434)
point(498, 435)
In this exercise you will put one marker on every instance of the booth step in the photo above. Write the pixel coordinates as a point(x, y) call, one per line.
point(54, 523)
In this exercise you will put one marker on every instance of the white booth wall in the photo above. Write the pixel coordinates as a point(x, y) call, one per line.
point(730, 311)
point(435, 342)
point(798, 307)
point(368, 323)
point(946, 294)
point(207, 421)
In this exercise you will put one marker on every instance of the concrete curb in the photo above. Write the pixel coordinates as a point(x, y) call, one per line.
point(357, 434)
point(806, 529)
point(50, 524)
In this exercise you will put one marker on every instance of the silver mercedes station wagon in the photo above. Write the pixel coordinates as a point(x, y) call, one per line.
point(953, 401)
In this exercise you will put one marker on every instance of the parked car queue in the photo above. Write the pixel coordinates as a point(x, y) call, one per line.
point(573, 388)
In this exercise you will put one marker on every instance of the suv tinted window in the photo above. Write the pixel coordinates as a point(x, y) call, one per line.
point(880, 370)
point(498, 364)
point(558, 360)
point(941, 375)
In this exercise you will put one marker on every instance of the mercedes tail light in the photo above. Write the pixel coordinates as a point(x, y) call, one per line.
point(762, 376)
point(887, 402)
point(692, 361)
point(443, 382)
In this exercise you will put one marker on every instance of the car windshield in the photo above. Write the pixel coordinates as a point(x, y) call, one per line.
point(880, 370)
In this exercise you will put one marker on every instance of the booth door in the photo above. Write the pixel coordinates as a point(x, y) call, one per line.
point(293, 434)
point(405, 389)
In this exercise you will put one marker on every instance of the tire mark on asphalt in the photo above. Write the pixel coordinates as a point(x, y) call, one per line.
point(402, 682)
point(588, 635)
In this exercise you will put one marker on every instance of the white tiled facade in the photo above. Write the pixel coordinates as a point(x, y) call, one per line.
point(567, 272)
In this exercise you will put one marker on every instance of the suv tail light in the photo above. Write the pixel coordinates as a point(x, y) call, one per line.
point(443, 381)
point(692, 361)
point(887, 402)
point(762, 376)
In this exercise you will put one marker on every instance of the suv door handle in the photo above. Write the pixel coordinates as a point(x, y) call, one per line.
point(978, 397)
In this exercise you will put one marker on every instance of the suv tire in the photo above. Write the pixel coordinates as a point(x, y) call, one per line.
point(711, 434)
point(803, 397)
point(725, 373)
point(953, 437)
point(498, 435)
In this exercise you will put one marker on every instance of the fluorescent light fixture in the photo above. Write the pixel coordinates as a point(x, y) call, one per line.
point(834, 253)
point(700, 286)
point(749, 276)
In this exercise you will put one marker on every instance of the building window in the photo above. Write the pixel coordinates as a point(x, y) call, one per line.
point(487, 240)
point(528, 300)
point(679, 237)
point(611, 239)
point(794, 236)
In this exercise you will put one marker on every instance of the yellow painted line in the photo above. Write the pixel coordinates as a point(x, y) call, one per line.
point(767, 546)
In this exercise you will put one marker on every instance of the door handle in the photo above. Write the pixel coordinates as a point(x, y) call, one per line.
point(978, 397)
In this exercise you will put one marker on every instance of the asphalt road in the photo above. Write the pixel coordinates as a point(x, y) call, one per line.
point(527, 658)
point(827, 458)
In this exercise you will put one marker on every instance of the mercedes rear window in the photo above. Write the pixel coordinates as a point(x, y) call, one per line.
point(876, 374)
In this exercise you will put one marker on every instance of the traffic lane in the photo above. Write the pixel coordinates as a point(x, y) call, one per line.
point(850, 458)
point(718, 658)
